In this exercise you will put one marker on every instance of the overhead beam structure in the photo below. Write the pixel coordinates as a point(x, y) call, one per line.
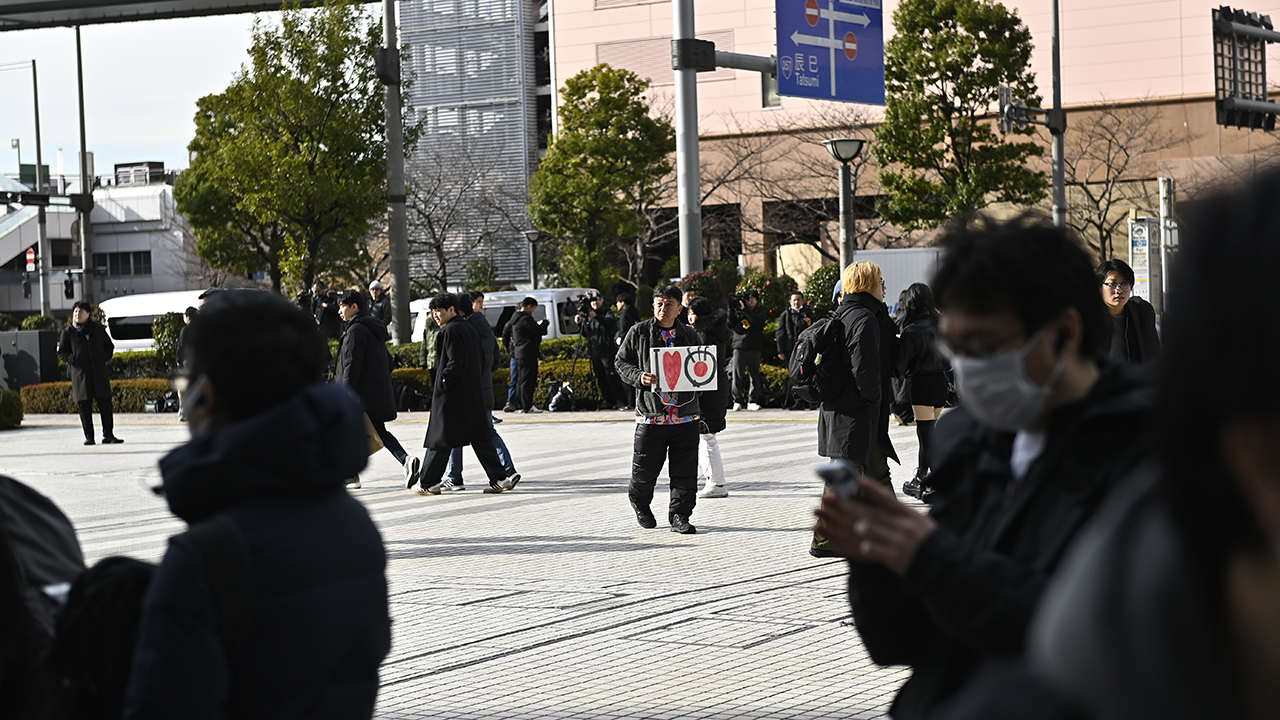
point(29, 14)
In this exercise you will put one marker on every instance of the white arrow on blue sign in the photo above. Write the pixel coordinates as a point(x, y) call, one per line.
point(831, 50)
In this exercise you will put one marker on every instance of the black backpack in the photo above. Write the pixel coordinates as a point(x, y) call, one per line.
point(93, 649)
point(816, 374)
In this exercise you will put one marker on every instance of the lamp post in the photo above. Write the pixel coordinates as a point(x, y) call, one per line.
point(533, 236)
point(845, 150)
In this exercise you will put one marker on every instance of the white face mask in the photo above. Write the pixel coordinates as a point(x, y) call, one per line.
point(997, 390)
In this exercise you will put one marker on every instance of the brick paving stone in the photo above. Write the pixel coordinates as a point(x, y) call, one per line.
point(549, 601)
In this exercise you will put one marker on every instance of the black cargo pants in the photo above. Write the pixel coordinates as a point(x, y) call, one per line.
point(678, 446)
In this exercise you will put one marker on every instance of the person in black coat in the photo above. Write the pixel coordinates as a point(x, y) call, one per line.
point(85, 348)
point(471, 308)
point(364, 365)
point(746, 320)
point(628, 315)
point(324, 308)
point(526, 342)
point(379, 303)
point(1045, 431)
point(712, 327)
point(187, 316)
point(272, 445)
point(793, 321)
point(601, 330)
point(460, 415)
point(923, 372)
point(1133, 337)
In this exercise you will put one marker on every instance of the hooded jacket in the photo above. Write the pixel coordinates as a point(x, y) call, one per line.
point(364, 365)
point(974, 582)
point(320, 625)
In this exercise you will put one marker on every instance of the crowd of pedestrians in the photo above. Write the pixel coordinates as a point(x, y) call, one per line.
point(1101, 535)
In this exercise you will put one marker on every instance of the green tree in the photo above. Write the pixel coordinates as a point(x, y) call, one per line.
point(288, 172)
point(943, 69)
point(605, 164)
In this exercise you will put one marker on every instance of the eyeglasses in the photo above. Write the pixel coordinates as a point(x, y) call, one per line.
point(1122, 287)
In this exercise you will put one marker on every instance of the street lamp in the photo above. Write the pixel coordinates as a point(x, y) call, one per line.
point(533, 236)
point(845, 150)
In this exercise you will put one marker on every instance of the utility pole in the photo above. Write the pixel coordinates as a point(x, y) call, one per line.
point(86, 185)
point(42, 231)
point(688, 169)
point(388, 63)
point(1057, 128)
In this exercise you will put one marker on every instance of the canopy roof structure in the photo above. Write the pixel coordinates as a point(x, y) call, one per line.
point(28, 14)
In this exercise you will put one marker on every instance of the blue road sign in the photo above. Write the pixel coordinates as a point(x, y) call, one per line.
point(831, 50)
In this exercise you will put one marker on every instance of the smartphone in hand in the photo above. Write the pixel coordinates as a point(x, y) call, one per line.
point(843, 478)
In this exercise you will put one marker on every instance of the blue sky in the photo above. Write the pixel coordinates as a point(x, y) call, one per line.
point(141, 79)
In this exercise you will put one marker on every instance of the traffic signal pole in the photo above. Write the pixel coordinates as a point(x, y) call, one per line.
point(1057, 129)
point(688, 167)
point(397, 222)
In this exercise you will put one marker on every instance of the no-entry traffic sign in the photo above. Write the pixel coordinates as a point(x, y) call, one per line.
point(810, 32)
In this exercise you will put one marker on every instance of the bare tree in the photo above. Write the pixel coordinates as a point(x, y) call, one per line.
point(1109, 166)
point(456, 205)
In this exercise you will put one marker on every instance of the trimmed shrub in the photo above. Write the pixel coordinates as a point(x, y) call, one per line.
point(562, 348)
point(706, 284)
point(138, 364)
point(8, 322)
point(40, 322)
point(408, 355)
point(165, 329)
point(127, 396)
point(818, 289)
point(586, 394)
point(417, 378)
point(10, 409)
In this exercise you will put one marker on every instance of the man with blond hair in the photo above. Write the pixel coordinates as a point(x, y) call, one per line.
point(854, 425)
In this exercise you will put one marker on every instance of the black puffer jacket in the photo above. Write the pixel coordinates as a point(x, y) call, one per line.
point(973, 584)
point(364, 365)
point(634, 359)
point(320, 625)
point(916, 350)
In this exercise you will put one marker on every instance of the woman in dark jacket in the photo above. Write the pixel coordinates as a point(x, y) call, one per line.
point(85, 348)
point(1133, 337)
point(923, 370)
point(712, 327)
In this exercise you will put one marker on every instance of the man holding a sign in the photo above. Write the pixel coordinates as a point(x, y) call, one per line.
point(660, 358)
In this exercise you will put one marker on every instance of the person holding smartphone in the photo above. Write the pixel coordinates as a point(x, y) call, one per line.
point(1047, 427)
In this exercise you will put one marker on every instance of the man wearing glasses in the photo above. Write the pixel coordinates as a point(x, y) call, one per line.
point(1021, 466)
point(1133, 337)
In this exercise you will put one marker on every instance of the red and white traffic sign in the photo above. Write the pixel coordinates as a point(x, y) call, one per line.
point(31, 255)
point(811, 12)
point(850, 46)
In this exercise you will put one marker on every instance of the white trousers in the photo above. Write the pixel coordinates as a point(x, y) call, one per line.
point(710, 463)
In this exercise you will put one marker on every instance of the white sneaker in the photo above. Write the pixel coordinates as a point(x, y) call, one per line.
point(753, 406)
point(411, 466)
point(713, 491)
point(354, 484)
point(510, 482)
point(737, 407)
point(535, 409)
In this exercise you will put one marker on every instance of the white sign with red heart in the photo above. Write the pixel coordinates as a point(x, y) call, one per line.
point(694, 368)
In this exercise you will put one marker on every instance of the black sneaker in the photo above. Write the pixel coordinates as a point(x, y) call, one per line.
point(89, 441)
point(111, 440)
point(680, 524)
point(822, 552)
point(509, 408)
point(645, 517)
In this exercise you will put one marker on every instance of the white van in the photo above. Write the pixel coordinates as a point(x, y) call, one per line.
point(499, 307)
point(129, 317)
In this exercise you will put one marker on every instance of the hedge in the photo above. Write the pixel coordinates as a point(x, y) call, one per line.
point(127, 396)
point(137, 364)
point(10, 409)
point(40, 322)
point(8, 322)
point(164, 331)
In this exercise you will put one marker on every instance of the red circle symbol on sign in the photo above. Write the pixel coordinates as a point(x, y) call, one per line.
point(700, 368)
point(850, 46)
point(31, 255)
point(811, 11)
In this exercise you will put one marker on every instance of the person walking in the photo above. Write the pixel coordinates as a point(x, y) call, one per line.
point(526, 342)
point(1133, 337)
point(261, 479)
point(924, 372)
point(379, 303)
point(85, 348)
point(666, 423)
point(459, 414)
point(712, 327)
point(795, 319)
point(471, 308)
point(364, 365)
point(747, 321)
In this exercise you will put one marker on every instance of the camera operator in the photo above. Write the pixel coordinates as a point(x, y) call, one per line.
point(600, 329)
point(794, 321)
point(746, 320)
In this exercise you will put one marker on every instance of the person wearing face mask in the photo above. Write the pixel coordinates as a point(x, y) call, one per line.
point(1047, 427)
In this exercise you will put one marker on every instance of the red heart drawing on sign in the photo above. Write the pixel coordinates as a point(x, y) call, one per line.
point(671, 366)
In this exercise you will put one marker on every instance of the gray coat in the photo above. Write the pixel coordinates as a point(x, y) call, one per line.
point(634, 359)
point(86, 351)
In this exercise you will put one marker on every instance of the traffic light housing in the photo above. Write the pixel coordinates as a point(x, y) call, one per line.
point(69, 289)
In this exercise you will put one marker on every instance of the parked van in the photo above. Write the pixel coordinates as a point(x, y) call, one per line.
point(561, 304)
point(129, 317)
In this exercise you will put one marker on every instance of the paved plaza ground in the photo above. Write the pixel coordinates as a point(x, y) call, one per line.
point(549, 601)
